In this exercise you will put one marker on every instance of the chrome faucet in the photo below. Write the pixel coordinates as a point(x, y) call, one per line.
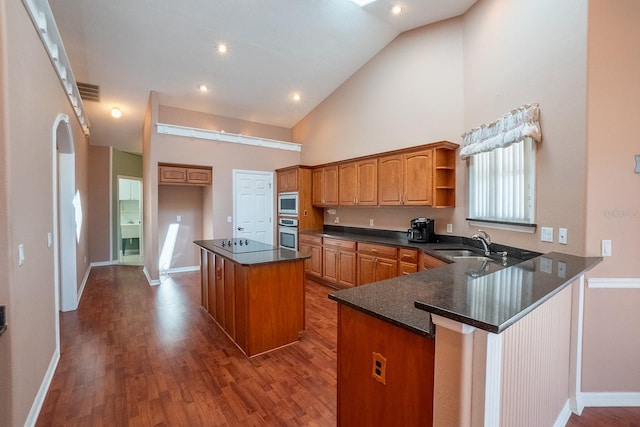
point(485, 239)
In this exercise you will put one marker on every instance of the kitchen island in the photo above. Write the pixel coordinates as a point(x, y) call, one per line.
point(254, 292)
point(487, 345)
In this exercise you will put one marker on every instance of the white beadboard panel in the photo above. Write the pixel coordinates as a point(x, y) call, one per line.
point(612, 283)
point(536, 363)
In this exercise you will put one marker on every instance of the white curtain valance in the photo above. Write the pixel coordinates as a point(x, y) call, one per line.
point(515, 126)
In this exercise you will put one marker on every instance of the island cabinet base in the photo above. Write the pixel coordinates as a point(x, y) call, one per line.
point(260, 307)
point(400, 393)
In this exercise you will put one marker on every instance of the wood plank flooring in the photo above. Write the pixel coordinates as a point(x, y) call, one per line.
point(135, 355)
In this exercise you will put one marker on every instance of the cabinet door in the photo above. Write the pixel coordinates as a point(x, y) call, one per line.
point(347, 268)
point(315, 264)
point(219, 284)
point(230, 299)
point(366, 267)
point(198, 176)
point(330, 264)
point(288, 180)
point(367, 183)
point(172, 175)
point(385, 269)
point(124, 189)
point(331, 185)
point(305, 248)
point(347, 184)
point(390, 182)
point(211, 284)
point(418, 178)
point(317, 179)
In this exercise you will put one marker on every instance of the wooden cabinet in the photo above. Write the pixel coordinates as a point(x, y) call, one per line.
point(287, 180)
point(408, 261)
point(325, 186)
point(184, 174)
point(339, 262)
point(376, 262)
point(444, 176)
point(402, 395)
point(311, 245)
point(358, 183)
point(406, 179)
point(260, 307)
point(427, 261)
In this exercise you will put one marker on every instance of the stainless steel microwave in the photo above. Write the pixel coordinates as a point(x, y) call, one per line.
point(288, 204)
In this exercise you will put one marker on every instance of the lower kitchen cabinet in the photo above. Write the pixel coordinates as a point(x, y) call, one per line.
point(311, 245)
point(339, 262)
point(398, 391)
point(428, 262)
point(376, 262)
point(408, 261)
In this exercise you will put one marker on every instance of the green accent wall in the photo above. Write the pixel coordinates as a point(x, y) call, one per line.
point(127, 165)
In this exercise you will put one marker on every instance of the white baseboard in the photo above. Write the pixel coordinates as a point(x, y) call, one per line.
point(83, 284)
point(42, 392)
point(565, 414)
point(152, 282)
point(606, 399)
point(181, 269)
point(104, 263)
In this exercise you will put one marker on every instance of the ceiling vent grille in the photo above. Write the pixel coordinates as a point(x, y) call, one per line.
point(89, 92)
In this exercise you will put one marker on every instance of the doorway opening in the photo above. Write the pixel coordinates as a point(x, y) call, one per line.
point(65, 225)
point(129, 221)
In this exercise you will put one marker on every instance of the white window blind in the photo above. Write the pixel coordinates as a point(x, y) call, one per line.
point(501, 184)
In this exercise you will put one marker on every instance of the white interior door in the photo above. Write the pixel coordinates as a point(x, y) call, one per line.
point(253, 205)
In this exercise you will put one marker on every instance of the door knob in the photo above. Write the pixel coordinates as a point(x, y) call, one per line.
point(240, 228)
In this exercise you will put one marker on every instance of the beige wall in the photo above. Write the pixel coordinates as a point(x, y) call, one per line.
point(36, 98)
point(5, 340)
point(611, 346)
point(99, 202)
point(221, 156)
point(187, 202)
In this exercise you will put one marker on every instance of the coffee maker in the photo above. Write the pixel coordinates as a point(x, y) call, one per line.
point(421, 230)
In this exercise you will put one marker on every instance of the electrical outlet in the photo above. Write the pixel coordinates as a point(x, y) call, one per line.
point(379, 368)
point(546, 234)
point(606, 248)
point(449, 228)
point(336, 221)
point(179, 218)
point(562, 236)
point(371, 222)
point(228, 219)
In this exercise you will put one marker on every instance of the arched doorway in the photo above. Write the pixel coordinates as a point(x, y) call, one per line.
point(64, 178)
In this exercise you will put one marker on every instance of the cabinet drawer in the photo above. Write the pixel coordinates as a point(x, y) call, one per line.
point(310, 239)
point(337, 243)
point(407, 268)
point(408, 255)
point(378, 250)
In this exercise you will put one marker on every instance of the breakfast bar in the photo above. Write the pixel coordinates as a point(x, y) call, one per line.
point(482, 335)
point(253, 291)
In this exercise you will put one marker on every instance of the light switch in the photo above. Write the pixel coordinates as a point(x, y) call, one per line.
point(449, 228)
point(546, 234)
point(179, 218)
point(228, 219)
point(606, 248)
point(637, 164)
point(49, 239)
point(20, 254)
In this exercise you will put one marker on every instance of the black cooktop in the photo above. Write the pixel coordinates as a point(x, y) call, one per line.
point(238, 245)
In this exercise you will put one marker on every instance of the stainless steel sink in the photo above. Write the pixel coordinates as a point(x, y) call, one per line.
point(462, 253)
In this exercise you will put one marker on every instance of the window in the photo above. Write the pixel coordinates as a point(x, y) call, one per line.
point(502, 184)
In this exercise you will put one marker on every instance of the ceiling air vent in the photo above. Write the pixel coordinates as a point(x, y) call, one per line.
point(89, 92)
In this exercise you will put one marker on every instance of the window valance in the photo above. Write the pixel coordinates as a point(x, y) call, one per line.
point(515, 126)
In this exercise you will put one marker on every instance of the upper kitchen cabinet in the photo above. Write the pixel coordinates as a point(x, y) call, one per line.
point(325, 186)
point(128, 189)
point(287, 180)
point(184, 174)
point(298, 179)
point(358, 183)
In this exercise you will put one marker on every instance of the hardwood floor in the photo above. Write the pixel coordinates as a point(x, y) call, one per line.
point(135, 355)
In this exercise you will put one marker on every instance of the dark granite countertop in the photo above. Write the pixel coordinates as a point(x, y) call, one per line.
point(487, 295)
point(253, 258)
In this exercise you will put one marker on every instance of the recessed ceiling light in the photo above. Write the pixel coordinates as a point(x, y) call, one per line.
point(203, 88)
point(116, 113)
point(397, 9)
point(296, 97)
point(222, 48)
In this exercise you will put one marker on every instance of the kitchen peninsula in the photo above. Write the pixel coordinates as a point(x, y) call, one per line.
point(454, 345)
point(254, 291)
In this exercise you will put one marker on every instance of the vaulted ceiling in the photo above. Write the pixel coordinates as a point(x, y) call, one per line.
point(275, 49)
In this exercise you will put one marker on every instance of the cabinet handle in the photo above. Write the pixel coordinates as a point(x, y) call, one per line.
point(374, 250)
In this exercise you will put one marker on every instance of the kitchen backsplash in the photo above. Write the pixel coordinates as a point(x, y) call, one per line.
point(386, 218)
